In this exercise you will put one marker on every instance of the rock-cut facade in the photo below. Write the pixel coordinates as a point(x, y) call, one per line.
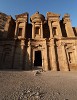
point(46, 43)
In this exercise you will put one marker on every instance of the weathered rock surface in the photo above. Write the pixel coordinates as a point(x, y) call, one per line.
point(3, 19)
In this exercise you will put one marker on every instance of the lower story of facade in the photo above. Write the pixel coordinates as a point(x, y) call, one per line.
point(46, 54)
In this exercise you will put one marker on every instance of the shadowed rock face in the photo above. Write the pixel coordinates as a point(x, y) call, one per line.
point(3, 19)
point(7, 26)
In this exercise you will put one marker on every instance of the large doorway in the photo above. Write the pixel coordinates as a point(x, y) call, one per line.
point(38, 59)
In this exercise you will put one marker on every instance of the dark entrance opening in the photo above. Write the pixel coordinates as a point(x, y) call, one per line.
point(38, 58)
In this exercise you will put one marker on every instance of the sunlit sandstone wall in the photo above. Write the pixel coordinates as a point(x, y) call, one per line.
point(55, 38)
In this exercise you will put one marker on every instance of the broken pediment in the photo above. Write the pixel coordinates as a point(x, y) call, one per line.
point(66, 18)
point(22, 15)
point(66, 15)
point(50, 14)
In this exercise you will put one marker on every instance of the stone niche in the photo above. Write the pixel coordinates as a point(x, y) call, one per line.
point(71, 56)
point(37, 25)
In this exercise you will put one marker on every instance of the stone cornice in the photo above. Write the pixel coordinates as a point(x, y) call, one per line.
point(68, 38)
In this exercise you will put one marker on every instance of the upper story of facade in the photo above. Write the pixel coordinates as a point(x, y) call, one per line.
point(39, 28)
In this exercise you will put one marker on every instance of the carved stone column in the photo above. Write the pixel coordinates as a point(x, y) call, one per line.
point(54, 64)
point(29, 55)
point(50, 28)
point(22, 52)
point(75, 51)
point(33, 30)
point(59, 29)
point(45, 58)
point(65, 64)
point(24, 30)
point(41, 30)
point(16, 30)
point(49, 56)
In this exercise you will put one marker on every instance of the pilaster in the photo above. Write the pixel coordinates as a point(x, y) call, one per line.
point(65, 65)
point(16, 30)
point(50, 28)
point(53, 58)
point(46, 59)
point(33, 30)
point(24, 30)
point(41, 30)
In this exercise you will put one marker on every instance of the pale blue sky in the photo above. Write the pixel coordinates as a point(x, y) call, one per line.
point(13, 7)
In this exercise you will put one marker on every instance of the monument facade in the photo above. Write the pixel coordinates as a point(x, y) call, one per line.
point(45, 43)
